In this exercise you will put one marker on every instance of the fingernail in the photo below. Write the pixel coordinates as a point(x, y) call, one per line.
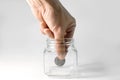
point(61, 56)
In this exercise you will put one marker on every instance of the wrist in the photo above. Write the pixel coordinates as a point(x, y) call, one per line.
point(50, 2)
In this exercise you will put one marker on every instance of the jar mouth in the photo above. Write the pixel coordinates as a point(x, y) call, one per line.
point(66, 40)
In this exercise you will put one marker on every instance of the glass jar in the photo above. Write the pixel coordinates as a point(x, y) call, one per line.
point(53, 66)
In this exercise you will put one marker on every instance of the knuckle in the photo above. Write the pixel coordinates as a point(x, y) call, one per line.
point(73, 24)
point(74, 20)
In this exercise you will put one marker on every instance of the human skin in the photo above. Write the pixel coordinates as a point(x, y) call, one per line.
point(55, 22)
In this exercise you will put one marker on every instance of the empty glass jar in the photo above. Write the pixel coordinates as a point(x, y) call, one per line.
point(53, 65)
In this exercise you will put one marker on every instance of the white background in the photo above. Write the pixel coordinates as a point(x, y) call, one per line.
point(97, 39)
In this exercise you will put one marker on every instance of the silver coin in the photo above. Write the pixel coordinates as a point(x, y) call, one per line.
point(59, 62)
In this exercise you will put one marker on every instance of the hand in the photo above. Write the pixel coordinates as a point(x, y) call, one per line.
point(55, 21)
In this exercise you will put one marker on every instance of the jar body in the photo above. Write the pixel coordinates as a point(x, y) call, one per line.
point(51, 69)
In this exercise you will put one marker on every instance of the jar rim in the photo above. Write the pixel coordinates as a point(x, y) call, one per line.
point(66, 40)
point(50, 39)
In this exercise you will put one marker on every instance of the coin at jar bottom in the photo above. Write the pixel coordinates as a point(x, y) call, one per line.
point(59, 62)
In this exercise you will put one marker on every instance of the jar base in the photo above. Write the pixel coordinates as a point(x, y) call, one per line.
point(59, 71)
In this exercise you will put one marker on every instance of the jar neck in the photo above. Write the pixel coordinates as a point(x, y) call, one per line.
point(51, 43)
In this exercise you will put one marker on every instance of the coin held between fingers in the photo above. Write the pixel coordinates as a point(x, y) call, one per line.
point(59, 62)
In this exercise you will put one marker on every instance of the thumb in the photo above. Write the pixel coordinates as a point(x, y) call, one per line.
point(60, 44)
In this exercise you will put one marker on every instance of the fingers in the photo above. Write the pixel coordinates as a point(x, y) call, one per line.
point(69, 35)
point(45, 30)
point(48, 32)
point(70, 30)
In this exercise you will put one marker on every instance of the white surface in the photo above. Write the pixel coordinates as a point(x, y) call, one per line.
point(96, 37)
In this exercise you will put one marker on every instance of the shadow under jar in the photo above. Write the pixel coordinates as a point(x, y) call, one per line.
point(53, 66)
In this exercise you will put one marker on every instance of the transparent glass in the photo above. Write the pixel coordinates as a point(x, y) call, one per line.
point(50, 55)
